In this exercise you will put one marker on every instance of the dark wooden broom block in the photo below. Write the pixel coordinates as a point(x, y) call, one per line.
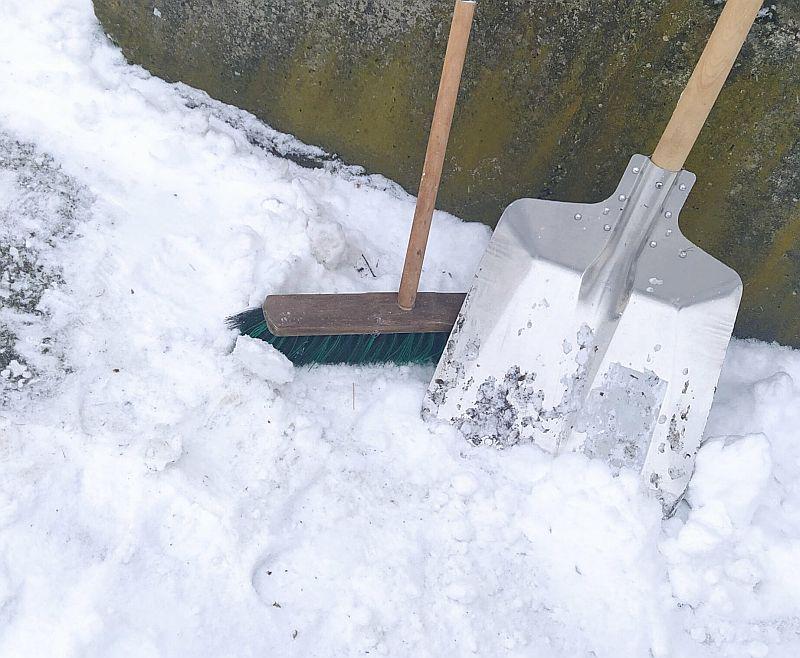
point(360, 313)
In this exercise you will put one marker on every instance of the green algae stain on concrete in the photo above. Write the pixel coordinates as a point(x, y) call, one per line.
point(556, 97)
point(482, 133)
point(371, 103)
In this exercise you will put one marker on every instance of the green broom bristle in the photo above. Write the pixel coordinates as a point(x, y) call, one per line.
point(352, 349)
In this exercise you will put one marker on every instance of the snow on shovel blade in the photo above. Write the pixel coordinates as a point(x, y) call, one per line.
point(595, 327)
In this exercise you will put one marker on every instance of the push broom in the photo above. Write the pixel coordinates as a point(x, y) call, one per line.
point(403, 327)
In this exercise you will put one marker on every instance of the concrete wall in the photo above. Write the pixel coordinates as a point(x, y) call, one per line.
point(557, 95)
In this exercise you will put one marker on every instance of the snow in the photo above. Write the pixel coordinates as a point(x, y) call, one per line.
point(167, 489)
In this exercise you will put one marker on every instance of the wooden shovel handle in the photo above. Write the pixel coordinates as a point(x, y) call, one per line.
point(704, 86)
point(434, 156)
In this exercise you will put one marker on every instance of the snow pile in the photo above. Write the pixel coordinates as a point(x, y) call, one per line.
point(168, 490)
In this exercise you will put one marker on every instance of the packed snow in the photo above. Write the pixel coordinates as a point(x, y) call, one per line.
point(167, 489)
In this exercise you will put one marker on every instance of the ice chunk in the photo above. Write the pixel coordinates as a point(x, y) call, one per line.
point(732, 474)
point(263, 360)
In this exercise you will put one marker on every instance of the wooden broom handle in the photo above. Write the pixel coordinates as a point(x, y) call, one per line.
point(704, 86)
point(434, 156)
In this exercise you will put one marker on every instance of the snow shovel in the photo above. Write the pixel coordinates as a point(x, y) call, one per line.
point(599, 326)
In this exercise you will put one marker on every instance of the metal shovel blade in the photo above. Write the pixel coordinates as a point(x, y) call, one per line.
point(595, 327)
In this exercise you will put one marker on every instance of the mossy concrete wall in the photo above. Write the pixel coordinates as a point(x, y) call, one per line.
point(557, 94)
